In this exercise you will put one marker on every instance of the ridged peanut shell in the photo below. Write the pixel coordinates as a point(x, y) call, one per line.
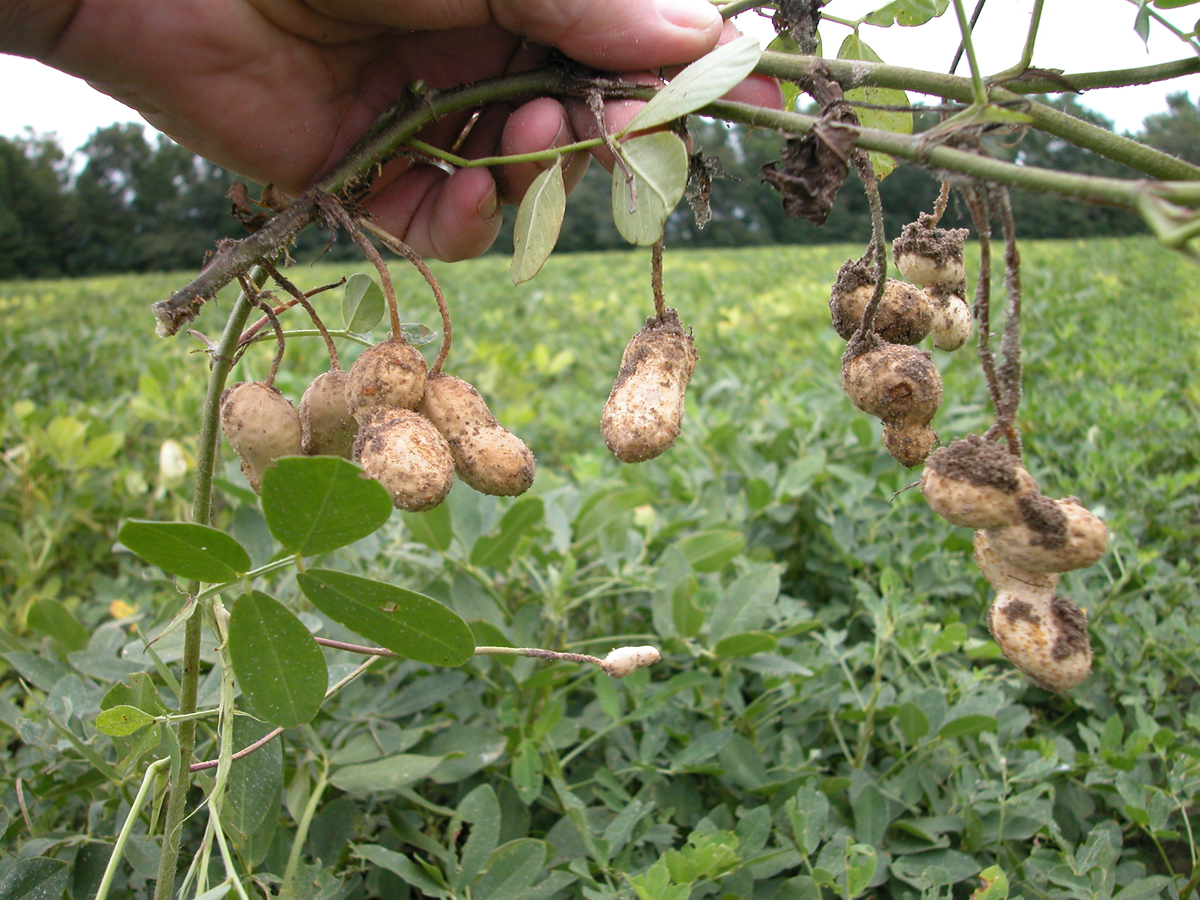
point(402, 450)
point(1043, 635)
point(1004, 576)
point(1054, 536)
point(390, 375)
point(904, 316)
point(644, 412)
point(975, 483)
point(952, 325)
point(896, 383)
point(487, 456)
point(326, 426)
point(261, 425)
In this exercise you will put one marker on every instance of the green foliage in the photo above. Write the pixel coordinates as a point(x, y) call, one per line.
point(830, 717)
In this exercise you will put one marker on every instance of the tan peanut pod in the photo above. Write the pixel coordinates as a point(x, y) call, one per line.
point(487, 456)
point(895, 383)
point(952, 325)
point(402, 450)
point(905, 312)
point(930, 256)
point(975, 483)
point(261, 425)
point(1052, 536)
point(1044, 635)
point(644, 412)
point(390, 375)
point(326, 426)
point(1003, 576)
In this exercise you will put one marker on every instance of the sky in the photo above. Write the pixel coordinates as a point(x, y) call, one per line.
point(49, 102)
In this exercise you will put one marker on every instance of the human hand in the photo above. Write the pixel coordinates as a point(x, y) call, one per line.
point(279, 90)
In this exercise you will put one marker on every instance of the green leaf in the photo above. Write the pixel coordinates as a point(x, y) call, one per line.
point(401, 866)
point(995, 885)
point(1141, 23)
point(255, 790)
point(495, 549)
point(784, 44)
point(388, 774)
point(1174, 4)
point(746, 603)
point(314, 504)
point(278, 665)
point(403, 621)
point(913, 722)
point(707, 79)
point(658, 163)
point(908, 13)
point(711, 551)
point(482, 810)
point(195, 552)
point(51, 618)
point(975, 723)
point(745, 644)
point(539, 220)
point(434, 529)
point(362, 304)
point(511, 870)
point(898, 122)
point(120, 721)
point(39, 878)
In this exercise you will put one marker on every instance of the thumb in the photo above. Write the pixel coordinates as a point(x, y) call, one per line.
point(619, 35)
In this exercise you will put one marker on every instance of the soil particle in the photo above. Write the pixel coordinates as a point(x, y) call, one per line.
point(976, 460)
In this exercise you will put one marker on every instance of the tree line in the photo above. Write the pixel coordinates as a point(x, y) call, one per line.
point(127, 202)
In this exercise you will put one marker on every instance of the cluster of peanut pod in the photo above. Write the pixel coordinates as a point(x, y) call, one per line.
point(883, 373)
point(407, 429)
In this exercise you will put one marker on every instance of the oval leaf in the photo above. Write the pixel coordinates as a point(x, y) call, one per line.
point(314, 504)
point(975, 723)
point(388, 774)
point(195, 552)
point(278, 665)
point(658, 164)
point(539, 220)
point(882, 119)
point(120, 721)
point(707, 79)
point(710, 551)
point(362, 304)
point(405, 622)
point(496, 548)
point(37, 878)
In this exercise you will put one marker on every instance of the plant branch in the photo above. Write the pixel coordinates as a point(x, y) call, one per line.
point(206, 461)
point(856, 73)
point(401, 124)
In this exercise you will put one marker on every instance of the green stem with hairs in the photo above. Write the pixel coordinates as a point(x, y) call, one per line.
point(401, 124)
point(1155, 163)
point(202, 505)
point(978, 88)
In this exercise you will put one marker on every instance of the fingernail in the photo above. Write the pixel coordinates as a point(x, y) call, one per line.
point(697, 14)
point(489, 205)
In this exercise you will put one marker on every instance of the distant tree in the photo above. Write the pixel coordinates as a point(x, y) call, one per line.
point(1177, 131)
point(32, 211)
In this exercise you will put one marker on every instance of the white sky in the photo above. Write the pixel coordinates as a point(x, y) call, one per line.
point(1075, 35)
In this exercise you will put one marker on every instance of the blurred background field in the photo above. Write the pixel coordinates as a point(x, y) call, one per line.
point(830, 715)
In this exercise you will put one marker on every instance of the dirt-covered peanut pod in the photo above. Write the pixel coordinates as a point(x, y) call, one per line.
point(951, 326)
point(905, 312)
point(390, 375)
point(975, 483)
point(1051, 536)
point(261, 425)
point(402, 450)
point(900, 386)
point(487, 456)
point(644, 411)
point(1044, 635)
point(326, 426)
point(1003, 575)
point(928, 256)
